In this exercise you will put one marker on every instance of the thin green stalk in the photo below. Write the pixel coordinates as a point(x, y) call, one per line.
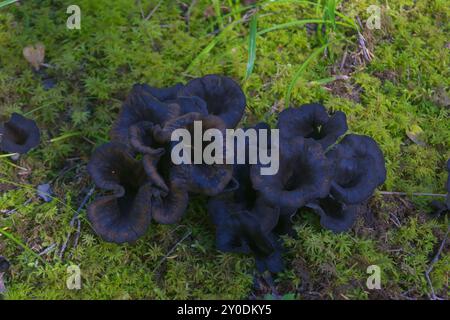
point(13, 165)
point(8, 2)
point(212, 44)
point(251, 46)
point(7, 155)
point(300, 70)
point(65, 136)
point(299, 23)
point(21, 244)
point(218, 12)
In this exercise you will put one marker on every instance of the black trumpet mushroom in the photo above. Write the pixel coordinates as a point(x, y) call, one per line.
point(19, 134)
point(139, 106)
point(223, 96)
point(202, 178)
point(334, 215)
point(312, 121)
point(170, 194)
point(249, 206)
point(244, 223)
point(358, 169)
point(125, 215)
point(304, 175)
point(142, 139)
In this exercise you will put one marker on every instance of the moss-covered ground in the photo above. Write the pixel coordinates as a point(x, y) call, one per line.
point(401, 93)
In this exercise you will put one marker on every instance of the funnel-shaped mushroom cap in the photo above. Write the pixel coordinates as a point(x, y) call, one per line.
point(203, 178)
point(4, 264)
point(334, 215)
point(19, 134)
point(163, 94)
point(246, 231)
point(312, 121)
point(223, 97)
point(359, 169)
point(139, 106)
point(170, 196)
point(142, 140)
point(304, 175)
point(125, 215)
point(170, 96)
point(244, 222)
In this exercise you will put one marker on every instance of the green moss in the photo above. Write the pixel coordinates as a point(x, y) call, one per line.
point(95, 67)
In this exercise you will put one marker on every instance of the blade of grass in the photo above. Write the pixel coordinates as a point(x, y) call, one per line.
point(212, 44)
point(328, 80)
point(251, 46)
point(300, 70)
point(330, 12)
point(31, 188)
point(269, 2)
point(8, 2)
point(22, 245)
point(65, 136)
point(218, 12)
point(7, 155)
point(13, 165)
point(299, 23)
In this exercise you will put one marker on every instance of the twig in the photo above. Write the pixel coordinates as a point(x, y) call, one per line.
point(188, 15)
point(344, 59)
point(153, 11)
point(412, 194)
point(430, 268)
point(395, 220)
point(142, 10)
point(48, 249)
point(72, 222)
point(10, 212)
point(172, 250)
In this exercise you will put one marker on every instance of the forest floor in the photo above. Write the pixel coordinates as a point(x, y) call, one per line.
point(393, 86)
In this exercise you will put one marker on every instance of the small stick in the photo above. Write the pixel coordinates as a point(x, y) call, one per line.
point(140, 8)
point(344, 59)
point(172, 250)
point(153, 11)
point(48, 249)
point(412, 194)
point(72, 222)
point(430, 268)
point(188, 15)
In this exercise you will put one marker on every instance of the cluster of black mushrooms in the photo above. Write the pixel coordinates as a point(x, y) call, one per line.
point(321, 168)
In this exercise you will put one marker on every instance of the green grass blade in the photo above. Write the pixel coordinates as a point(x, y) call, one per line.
point(252, 46)
point(21, 244)
point(211, 45)
point(269, 2)
point(65, 136)
point(218, 12)
point(7, 155)
point(8, 2)
point(300, 70)
point(291, 24)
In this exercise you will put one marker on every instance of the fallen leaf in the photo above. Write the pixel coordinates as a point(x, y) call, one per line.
point(415, 133)
point(35, 55)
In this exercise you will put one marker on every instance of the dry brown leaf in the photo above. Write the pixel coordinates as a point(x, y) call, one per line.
point(35, 55)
